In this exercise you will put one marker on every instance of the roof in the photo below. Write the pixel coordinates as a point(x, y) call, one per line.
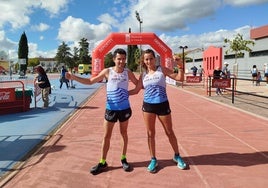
point(259, 32)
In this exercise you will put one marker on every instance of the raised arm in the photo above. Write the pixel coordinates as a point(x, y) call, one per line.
point(103, 74)
point(132, 77)
point(137, 88)
point(176, 76)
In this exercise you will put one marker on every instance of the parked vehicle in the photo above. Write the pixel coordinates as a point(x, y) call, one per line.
point(84, 68)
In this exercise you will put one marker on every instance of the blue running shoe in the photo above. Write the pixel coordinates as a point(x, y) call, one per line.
point(180, 163)
point(152, 166)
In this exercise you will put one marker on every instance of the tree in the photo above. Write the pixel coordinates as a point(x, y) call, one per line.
point(108, 60)
point(32, 62)
point(83, 51)
point(238, 45)
point(64, 55)
point(132, 59)
point(76, 56)
point(23, 52)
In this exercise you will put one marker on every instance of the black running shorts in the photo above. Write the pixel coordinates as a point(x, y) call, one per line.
point(159, 109)
point(121, 115)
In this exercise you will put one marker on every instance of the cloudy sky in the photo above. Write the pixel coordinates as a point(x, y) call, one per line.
point(195, 23)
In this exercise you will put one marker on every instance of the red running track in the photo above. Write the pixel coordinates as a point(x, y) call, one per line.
point(223, 146)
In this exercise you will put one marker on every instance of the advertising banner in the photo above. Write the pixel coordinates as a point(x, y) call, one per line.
point(221, 83)
point(7, 95)
point(193, 79)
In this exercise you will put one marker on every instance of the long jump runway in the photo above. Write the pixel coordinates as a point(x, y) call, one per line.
point(223, 146)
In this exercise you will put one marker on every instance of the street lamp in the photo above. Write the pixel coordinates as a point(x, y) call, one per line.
point(183, 47)
point(140, 22)
point(139, 19)
point(9, 64)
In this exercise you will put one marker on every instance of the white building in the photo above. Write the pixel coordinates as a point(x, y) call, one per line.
point(258, 56)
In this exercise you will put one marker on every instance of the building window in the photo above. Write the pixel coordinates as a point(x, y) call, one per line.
point(232, 56)
point(258, 53)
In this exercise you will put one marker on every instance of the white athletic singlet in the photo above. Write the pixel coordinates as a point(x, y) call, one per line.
point(155, 87)
point(117, 90)
point(254, 71)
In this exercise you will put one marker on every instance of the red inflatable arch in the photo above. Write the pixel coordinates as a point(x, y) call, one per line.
point(130, 39)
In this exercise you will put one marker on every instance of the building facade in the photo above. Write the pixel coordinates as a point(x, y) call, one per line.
point(258, 56)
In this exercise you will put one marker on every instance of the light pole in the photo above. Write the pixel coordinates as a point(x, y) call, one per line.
point(140, 22)
point(139, 19)
point(9, 64)
point(183, 47)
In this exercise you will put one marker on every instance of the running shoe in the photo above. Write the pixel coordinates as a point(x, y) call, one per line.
point(125, 165)
point(98, 168)
point(180, 163)
point(152, 166)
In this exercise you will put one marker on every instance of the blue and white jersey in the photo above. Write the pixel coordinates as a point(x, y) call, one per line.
point(155, 87)
point(117, 90)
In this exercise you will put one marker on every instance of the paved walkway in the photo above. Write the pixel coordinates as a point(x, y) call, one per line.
point(223, 146)
point(22, 132)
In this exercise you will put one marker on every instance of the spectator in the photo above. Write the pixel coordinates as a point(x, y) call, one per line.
point(266, 73)
point(43, 82)
point(254, 73)
point(63, 78)
point(225, 70)
point(200, 71)
point(72, 82)
point(217, 74)
point(194, 69)
point(259, 79)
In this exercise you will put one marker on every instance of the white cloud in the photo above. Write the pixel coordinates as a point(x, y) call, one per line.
point(5, 43)
point(35, 52)
point(54, 7)
point(171, 15)
point(17, 13)
point(204, 40)
point(157, 16)
point(72, 30)
point(108, 19)
point(40, 27)
point(244, 2)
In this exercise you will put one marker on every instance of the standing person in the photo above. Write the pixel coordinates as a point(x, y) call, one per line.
point(254, 73)
point(156, 104)
point(225, 70)
point(194, 69)
point(217, 74)
point(200, 71)
point(43, 82)
point(225, 73)
point(72, 82)
point(117, 105)
point(266, 73)
point(63, 78)
point(259, 79)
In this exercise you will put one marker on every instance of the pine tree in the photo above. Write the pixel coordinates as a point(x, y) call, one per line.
point(23, 53)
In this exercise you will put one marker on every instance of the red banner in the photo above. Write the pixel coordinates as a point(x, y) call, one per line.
point(221, 83)
point(7, 95)
point(193, 79)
